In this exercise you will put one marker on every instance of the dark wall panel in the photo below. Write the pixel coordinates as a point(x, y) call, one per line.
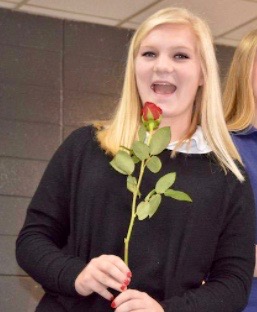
point(91, 39)
point(82, 107)
point(92, 74)
point(28, 140)
point(12, 214)
point(8, 265)
point(29, 103)
point(30, 66)
point(19, 177)
point(30, 31)
point(224, 56)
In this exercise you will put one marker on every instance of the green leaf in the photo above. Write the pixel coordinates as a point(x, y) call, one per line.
point(150, 194)
point(131, 184)
point(142, 133)
point(123, 162)
point(141, 150)
point(165, 182)
point(160, 140)
point(154, 164)
point(143, 210)
point(126, 149)
point(154, 204)
point(113, 164)
point(135, 159)
point(178, 195)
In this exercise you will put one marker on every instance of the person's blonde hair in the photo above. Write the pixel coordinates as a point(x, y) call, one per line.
point(238, 97)
point(208, 110)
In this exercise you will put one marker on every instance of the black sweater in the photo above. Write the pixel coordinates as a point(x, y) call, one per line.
point(82, 208)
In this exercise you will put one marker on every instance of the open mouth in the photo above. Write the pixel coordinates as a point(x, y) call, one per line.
point(163, 88)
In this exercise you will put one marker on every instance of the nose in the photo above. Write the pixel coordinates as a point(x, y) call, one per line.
point(163, 64)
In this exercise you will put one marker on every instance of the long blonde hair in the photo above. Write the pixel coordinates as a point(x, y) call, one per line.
point(208, 111)
point(238, 97)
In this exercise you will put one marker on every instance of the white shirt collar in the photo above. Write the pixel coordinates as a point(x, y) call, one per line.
point(195, 145)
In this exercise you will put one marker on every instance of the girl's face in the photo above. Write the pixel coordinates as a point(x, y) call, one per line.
point(168, 70)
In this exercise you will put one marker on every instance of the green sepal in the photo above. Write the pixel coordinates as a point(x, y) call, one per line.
point(154, 203)
point(152, 124)
point(143, 210)
point(154, 164)
point(178, 195)
point(141, 150)
point(160, 140)
point(165, 182)
point(142, 133)
point(123, 163)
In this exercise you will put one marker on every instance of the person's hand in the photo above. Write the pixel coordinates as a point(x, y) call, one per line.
point(136, 301)
point(106, 271)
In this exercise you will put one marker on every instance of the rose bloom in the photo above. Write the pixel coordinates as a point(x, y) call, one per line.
point(151, 111)
point(151, 116)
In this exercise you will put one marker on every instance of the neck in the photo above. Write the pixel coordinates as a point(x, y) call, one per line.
point(178, 128)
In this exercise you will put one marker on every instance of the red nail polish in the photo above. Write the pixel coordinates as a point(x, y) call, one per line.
point(129, 274)
point(113, 305)
point(123, 287)
point(126, 282)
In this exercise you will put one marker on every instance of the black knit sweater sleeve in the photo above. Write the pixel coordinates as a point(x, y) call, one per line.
point(228, 284)
point(47, 225)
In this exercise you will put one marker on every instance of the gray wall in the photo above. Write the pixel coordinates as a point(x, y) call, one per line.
point(55, 76)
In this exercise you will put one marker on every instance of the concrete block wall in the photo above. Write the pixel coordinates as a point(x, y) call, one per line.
point(55, 76)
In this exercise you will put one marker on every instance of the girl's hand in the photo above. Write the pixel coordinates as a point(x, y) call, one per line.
point(136, 301)
point(106, 271)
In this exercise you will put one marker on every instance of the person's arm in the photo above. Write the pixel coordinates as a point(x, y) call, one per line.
point(228, 285)
point(45, 232)
point(46, 229)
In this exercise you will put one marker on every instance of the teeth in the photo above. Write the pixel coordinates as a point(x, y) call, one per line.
point(163, 88)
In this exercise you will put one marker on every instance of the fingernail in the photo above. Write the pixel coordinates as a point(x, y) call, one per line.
point(123, 287)
point(126, 282)
point(113, 305)
point(129, 274)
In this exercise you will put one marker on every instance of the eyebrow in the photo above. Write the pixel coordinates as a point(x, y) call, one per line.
point(172, 47)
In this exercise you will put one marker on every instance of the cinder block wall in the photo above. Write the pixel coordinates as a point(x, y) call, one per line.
point(55, 75)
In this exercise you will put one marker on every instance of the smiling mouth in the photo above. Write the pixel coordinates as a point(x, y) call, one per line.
point(163, 88)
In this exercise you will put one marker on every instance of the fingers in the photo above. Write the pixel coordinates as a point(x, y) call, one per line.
point(135, 301)
point(101, 290)
point(106, 271)
point(114, 268)
point(128, 300)
point(112, 272)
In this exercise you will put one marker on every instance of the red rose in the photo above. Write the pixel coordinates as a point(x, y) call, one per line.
point(151, 116)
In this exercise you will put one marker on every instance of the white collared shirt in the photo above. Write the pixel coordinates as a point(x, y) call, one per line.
point(195, 145)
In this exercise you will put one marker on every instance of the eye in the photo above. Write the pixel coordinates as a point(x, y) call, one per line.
point(149, 54)
point(181, 56)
